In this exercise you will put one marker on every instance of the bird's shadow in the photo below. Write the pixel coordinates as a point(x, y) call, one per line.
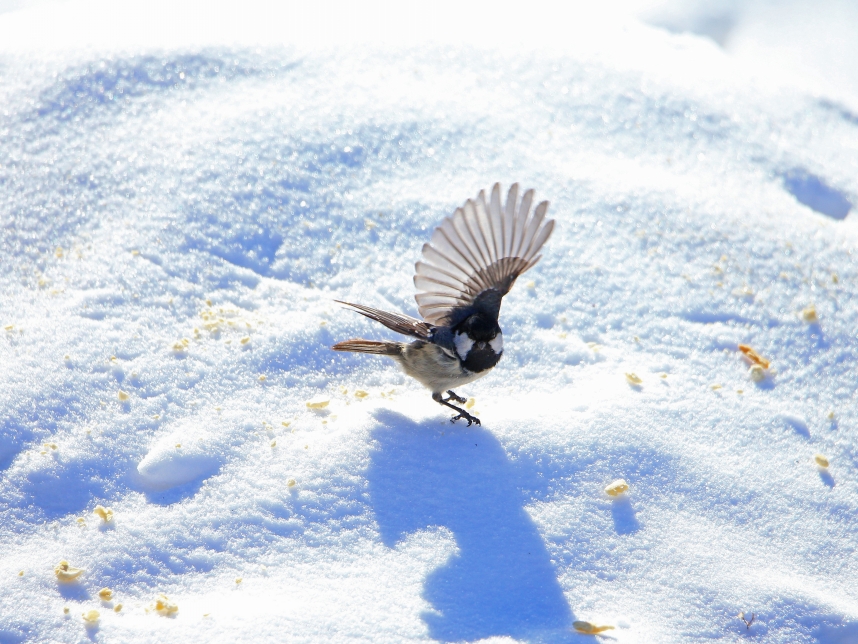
point(501, 581)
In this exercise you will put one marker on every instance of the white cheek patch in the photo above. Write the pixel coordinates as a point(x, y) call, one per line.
point(496, 343)
point(463, 344)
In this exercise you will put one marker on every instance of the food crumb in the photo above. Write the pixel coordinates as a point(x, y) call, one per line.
point(245, 339)
point(65, 572)
point(318, 402)
point(122, 395)
point(470, 404)
point(91, 616)
point(262, 378)
point(238, 580)
point(106, 514)
point(66, 610)
point(740, 391)
point(808, 314)
point(163, 606)
point(831, 415)
point(106, 594)
point(286, 423)
point(617, 487)
point(20, 573)
point(117, 608)
point(590, 629)
point(290, 483)
point(753, 356)
point(360, 393)
point(757, 373)
point(821, 460)
point(273, 443)
point(715, 387)
point(633, 379)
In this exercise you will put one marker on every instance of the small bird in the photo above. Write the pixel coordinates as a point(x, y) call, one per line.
point(470, 263)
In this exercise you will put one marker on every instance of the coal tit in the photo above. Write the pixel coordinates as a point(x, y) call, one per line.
point(471, 262)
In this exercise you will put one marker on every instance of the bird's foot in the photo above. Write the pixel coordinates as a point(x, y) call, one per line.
point(463, 414)
point(452, 396)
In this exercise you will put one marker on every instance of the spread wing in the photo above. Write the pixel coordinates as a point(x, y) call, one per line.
point(404, 324)
point(482, 247)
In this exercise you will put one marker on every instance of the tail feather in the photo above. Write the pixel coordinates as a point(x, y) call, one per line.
point(369, 346)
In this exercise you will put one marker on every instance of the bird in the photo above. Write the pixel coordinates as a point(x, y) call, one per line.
point(471, 261)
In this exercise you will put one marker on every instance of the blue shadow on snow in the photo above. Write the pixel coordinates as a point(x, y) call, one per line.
point(501, 581)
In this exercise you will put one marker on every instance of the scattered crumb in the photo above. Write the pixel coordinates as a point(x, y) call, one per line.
point(617, 487)
point(262, 378)
point(178, 446)
point(286, 423)
point(831, 415)
point(238, 580)
point(360, 393)
point(245, 339)
point(589, 629)
point(50, 446)
point(753, 356)
point(65, 572)
point(163, 606)
point(273, 443)
point(181, 346)
point(318, 402)
point(531, 285)
point(106, 514)
point(59, 251)
point(81, 520)
point(66, 610)
point(66, 357)
point(715, 387)
point(633, 379)
point(663, 375)
point(106, 594)
point(744, 291)
point(91, 616)
point(835, 278)
point(821, 460)
point(117, 608)
point(20, 573)
point(808, 314)
point(470, 404)
point(740, 391)
point(291, 482)
point(757, 373)
point(122, 395)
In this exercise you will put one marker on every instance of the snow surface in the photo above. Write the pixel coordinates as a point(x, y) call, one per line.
point(167, 181)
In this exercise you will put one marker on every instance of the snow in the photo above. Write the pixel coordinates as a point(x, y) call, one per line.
point(186, 190)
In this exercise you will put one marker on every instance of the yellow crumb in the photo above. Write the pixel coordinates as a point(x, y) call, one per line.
point(286, 423)
point(67, 357)
point(531, 285)
point(753, 356)
point(740, 391)
point(808, 314)
point(261, 378)
point(633, 379)
point(590, 629)
point(106, 594)
point(117, 608)
point(180, 347)
point(470, 404)
point(238, 580)
point(106, 514)
point(59, 251)
point(245, 339)
point(821, 460)
point(65, 572)
point(715, 387)
point(81, 520)
point(164, 606)
point(9, 327)
point(290, 483)
point(360, 393)
point(122, 395)
point(66, 610)
point(20, 573)
point(757, 373)
point(178, 446)
point(831, 415)
point(91, 616)
point(617, 487)
point(273, 443)
point(318, 402)
point(663, 375)
point(50, 446)
point(835, 278)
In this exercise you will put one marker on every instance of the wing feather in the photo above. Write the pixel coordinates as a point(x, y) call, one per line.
point(399, 322)
point(482, 246)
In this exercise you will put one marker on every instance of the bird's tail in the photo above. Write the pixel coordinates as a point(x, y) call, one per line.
point(369, 346)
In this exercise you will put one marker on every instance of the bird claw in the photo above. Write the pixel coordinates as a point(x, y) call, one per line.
point(467, 417)
point(452, 396)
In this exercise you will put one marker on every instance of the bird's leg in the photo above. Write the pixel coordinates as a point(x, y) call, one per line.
point(452, 396)
point(462, 413)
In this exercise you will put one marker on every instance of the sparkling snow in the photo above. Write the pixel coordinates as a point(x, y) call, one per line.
point(186, 190)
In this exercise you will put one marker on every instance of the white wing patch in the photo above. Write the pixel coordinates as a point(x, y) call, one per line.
point(483, 245)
